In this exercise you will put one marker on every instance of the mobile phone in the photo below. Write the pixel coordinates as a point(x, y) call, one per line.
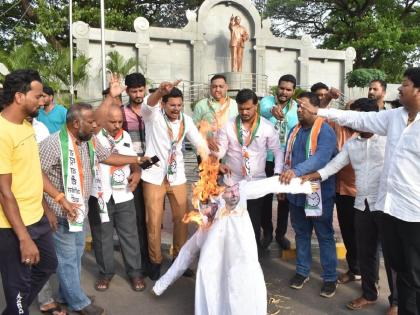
point(148, 163)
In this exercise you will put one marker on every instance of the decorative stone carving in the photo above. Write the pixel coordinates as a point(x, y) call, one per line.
point(350, 53)
point(141, 24)
point(80, 29)
point(191, 16)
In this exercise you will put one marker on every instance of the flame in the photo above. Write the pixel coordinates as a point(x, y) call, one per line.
point(206, 187)
point(193, 216)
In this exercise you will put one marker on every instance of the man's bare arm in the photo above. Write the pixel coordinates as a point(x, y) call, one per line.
point(53, 192)
point(28, 249)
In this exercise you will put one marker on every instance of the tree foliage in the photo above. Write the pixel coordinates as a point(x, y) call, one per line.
point(38, 20)
point(362, 77)
point(118, 65)
point(52, 64)
point(385, 34)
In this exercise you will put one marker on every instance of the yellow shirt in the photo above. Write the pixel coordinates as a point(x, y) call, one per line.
point(19, 156)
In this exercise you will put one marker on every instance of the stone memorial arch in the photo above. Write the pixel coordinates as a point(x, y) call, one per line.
point(201, 48)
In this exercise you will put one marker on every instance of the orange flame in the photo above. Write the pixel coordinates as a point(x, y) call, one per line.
point(206, 187)
point(193, 216)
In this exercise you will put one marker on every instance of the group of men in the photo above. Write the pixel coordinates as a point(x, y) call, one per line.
point(93, 164)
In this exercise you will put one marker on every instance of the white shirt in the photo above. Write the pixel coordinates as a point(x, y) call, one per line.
point(266, 138)
point(399, 189)
point(367, 159)
point(125, 147)
point(158, 143)
point(41, 131)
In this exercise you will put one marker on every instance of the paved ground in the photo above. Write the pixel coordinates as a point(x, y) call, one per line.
point(179, 299)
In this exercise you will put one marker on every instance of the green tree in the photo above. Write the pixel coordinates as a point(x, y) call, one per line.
point(362, 77)
point(21, 57)
point(117, 64)
point(385, 34)
point(52, 64)
point(37, 20)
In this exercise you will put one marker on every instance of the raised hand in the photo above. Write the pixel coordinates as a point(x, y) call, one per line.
point(334, 93)
point(166, 87)
point(115, 86)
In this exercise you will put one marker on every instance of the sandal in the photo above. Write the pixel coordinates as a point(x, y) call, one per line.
point(138, 284)
point(102, 284)
point(55, 310)
point(359, 303)
point(348, 277)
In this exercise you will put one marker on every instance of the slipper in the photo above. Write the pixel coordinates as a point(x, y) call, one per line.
point(102, 284)
point(138, 284)
point(54, 310)
point(359, 303)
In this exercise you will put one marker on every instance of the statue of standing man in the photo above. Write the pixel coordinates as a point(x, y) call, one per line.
point(238, 37)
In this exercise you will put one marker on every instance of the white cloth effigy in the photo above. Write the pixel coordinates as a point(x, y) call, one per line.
point(229, 277)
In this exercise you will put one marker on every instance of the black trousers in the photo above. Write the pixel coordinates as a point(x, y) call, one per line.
point(368, 240)
point(282, 210)
point(267, 209)
point(21, 283)
point(401, 240)
point(255, 209)
point(141, 227)
point(345, 215)
point(122, 219)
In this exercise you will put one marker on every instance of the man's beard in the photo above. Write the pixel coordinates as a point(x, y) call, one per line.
point(84, 137)
point(137, 100)
point(34, 114)
point(280, 96)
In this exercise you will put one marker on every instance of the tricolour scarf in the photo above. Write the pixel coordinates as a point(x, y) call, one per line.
point(171, 169)
point(313, 204)
point(73, 177)
point(245, 143)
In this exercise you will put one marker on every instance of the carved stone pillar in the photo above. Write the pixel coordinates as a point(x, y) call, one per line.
point(141, 26)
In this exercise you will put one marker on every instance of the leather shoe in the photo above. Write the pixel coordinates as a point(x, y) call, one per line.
point(189, 273)
point(283, 242)
point(266, 240)
point(154, 271)
point(92, 309)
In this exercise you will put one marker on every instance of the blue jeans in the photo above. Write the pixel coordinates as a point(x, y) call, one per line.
point(303, 227)
point(69, 247)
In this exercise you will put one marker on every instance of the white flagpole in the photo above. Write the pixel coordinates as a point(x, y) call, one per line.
point(103, 44)
point(71, 52)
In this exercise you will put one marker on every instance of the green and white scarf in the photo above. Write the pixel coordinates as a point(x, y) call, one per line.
point(73, 178)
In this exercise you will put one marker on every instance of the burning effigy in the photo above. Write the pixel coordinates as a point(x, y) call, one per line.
point(206, 191)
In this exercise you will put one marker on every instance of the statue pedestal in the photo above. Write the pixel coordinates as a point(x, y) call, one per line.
point(238, 80)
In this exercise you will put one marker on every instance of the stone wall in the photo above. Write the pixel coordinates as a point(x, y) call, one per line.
point(201, 48)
